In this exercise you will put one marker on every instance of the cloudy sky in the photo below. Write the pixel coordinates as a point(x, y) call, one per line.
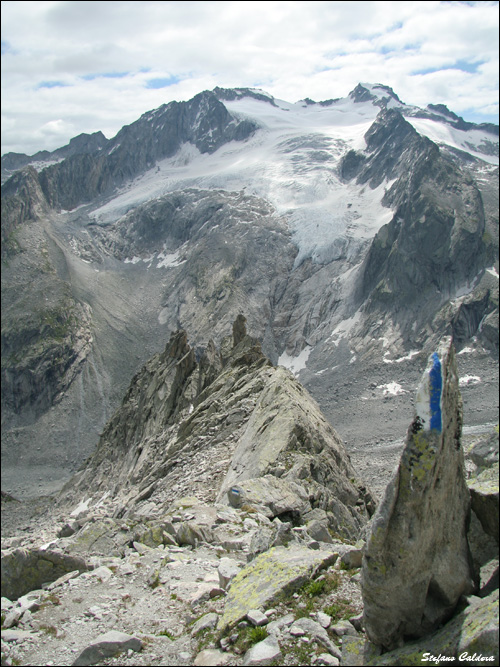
point(71, 67)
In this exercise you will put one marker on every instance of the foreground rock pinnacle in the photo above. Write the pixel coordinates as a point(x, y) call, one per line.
point(417, 561)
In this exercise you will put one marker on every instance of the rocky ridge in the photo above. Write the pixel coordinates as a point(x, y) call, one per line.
point(251, 576)
point(242, 422)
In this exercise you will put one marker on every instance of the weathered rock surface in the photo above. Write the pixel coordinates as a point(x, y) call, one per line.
point(484, 499)
point(276, 571)
point(417, 561)
point(105, 646)
point(483, 483)
point(265, 652)
point(26, 569)
point(228, 422)
point(471, 635)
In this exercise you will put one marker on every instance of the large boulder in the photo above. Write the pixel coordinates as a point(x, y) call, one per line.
point(483, 483)
point(24, 570)
point(471, 637)
point(259, 584)
point(417, 560)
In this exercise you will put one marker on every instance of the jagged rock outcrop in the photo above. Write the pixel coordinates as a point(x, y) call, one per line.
point(438, 221)
point(417, 561)
point(201, 427)
point(83, 143)
point(203, 121)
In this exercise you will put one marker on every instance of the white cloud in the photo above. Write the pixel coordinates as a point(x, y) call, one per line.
point(56, 53)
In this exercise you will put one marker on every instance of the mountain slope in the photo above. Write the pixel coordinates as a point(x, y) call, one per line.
point(348, 236)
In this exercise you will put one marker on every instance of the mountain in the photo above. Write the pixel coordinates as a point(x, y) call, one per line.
point(353, 233)
point(83, 143)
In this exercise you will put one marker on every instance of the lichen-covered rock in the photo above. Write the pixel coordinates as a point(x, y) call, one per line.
point(417, 561)
point(484, 498)
point(192, 534)
point(272, 496)
point(276, 571)
point(471, 637)
point(24, 570)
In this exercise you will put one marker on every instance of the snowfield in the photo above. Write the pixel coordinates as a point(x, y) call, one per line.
point(292, 161)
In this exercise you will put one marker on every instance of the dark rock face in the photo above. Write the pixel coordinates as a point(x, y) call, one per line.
point(203, 121)
point(417, 561)
point(434, 244)
point(83, 143)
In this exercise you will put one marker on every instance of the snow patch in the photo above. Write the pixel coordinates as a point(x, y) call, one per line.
point(343, 329)
point(492, 270)
point(467, 380)
point(392, 389)
point(407, 357)
point(167, 260)
point(295, 364)
point(81, 507)
point(470, 141)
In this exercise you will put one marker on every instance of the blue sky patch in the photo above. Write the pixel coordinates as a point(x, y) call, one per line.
point(52, 84)
point(162, 82)
point(462, 65)
point(105, 75)
point(6, 47)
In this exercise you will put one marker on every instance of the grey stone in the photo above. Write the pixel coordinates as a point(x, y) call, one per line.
point(343, 628)
point(263, 653)
point(323, 619)
point(106, 646)
point(352, 558)
point(63, 580)
point(315, 632)
point(12, 618)
point(417, 561)
point(485, 499)
point(318, 530)
point(191, 533)
point(256, 617)
point(227, 570)
point(206, 622)
point(211, 657)
point(485, 452)
point(265, 578)
point(26, 569)
point(326, 659)
point(6, 604)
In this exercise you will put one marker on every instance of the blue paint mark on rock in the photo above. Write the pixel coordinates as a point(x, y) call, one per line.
point(435, 390)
